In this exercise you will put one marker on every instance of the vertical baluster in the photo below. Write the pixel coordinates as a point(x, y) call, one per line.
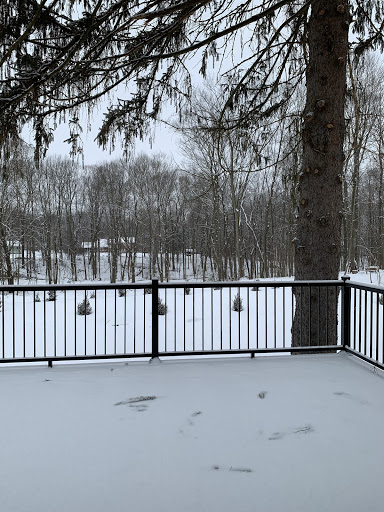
point(134, 321)
point(274, 316)
point(155, 318)
point(377, 328)
point(284, 289)
point(382, 331)
point(95, 327)
point(75, 323)
point(211, 318)
point(266, 316)
point(257, 317)
point(359, 320)
point(354, 319)
point(184, 323)
point(125, 321)
point(221, 318)
point(336, 306)
point(115, 332)
point(318, 316)
point(175, 317)
point(365, 322)
point(34, 324)
point(45, 328)
point(248, 345)
point(193, 320)
point(55, 325)
point(144, 324)
point(3, 324)
point(105, 322)
point(230, 318)
point(293, 306)
point(202, 318)
point(65, 322)
point(326, 316)
point(13, 326)
point(371, 327)
point(310, 317)
point(239, 317)
point(23, 323)
point(85, 322)
point(165, 319)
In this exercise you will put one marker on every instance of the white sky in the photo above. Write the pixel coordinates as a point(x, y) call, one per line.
point(165, 141)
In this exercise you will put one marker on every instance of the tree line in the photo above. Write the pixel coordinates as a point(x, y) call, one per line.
point(228, 212)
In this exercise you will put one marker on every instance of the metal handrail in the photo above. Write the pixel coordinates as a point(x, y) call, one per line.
point(54, 332)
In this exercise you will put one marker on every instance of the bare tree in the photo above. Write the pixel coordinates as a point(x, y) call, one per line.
point(365, 84)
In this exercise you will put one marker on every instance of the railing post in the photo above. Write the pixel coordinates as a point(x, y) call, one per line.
point(346, 313)
point(155, 318)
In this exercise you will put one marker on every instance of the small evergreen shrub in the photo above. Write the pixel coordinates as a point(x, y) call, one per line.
point(37, 298)
point(52, 295)
point(93, 295)
point(147, 291)
point(122, 292)
point(162, 309)
point(187, 291)
point(381, 299)
point(237, 304)
point(84, 307)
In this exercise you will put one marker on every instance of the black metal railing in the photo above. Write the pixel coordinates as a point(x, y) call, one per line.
point(363, 316)
point(100, 321)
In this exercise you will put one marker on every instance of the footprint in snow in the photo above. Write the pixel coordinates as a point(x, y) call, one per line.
point(190, 422)
point(275, 436)
point(348, 396)
point(233, 469)
point(138, 402)
point(306, 429)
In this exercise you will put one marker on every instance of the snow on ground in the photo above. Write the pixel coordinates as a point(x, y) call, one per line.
point(298, 433)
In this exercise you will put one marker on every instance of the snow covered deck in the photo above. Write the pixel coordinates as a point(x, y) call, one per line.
point(270, 434)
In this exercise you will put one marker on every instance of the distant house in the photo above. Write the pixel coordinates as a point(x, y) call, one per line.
point(101, 244)
point(104, 244)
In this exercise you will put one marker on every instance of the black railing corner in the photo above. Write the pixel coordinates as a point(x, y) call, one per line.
point(346, 313)
point(155, 318)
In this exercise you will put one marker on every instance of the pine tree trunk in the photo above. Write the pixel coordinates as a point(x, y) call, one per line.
point(318, 240)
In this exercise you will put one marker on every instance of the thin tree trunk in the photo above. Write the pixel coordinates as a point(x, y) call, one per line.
point(7, 254)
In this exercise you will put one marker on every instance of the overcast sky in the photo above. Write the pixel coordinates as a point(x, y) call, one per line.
point(165, 141)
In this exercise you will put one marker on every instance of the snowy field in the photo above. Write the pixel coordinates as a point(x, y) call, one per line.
point(289, 434)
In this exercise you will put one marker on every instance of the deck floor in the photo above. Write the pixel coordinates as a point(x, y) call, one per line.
point(270, 434)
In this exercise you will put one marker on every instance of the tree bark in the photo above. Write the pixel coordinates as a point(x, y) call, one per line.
point(318, 241)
